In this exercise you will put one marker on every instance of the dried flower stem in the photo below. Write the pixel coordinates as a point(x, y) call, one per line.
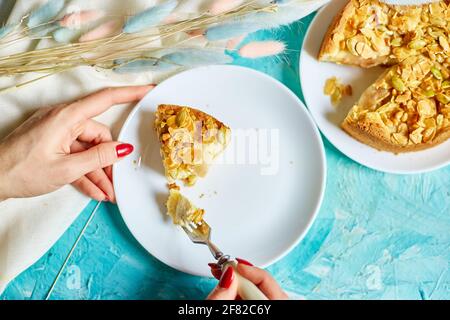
point(104, 53)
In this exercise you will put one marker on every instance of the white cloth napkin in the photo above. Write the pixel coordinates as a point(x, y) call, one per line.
point(30, 227)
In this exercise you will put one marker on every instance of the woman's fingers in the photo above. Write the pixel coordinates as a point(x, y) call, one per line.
point(99, 177)
point(87, 187)
point(104, 152)
point(95, 133)
point(108, 171)
point(259, 277)
point(263, 280)
point(98, 157)
point(101, 180)
point(216, 270)
point(227, 289)
point(97, 103)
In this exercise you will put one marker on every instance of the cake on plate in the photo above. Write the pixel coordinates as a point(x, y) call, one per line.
point(190, 142)
point(182, 211)
point(408, 107)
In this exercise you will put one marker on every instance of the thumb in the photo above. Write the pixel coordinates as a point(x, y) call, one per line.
point(99, 157)
point(227, 288)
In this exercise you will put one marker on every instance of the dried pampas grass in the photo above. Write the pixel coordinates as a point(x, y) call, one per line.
point(146, 42)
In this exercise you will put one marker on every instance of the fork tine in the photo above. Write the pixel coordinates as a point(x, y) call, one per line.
point(193, 225)
point(195, 233)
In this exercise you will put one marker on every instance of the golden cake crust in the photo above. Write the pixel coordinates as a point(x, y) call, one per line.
point(373, 136)
point(328, 45)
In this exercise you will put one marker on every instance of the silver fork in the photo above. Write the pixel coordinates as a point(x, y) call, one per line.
point(201, 234)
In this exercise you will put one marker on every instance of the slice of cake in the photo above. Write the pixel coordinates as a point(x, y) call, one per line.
point(406, 109)
point(368, 33)
point(190, 141)
point(182, 211)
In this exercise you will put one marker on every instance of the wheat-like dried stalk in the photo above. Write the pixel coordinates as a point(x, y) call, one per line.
point(105, 53)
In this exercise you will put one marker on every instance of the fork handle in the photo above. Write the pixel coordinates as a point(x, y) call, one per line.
point(247, 290)
point(215, 251)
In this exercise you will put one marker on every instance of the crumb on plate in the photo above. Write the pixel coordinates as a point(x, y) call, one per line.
point(336, 90)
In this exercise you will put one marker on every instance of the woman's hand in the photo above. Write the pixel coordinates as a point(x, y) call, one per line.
point(227, 289)
point(62, 145)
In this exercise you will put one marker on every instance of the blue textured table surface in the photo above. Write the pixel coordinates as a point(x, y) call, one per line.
point(378, 236)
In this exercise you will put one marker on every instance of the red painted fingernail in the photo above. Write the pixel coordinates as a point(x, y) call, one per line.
point(212, 265)
point(244, 262)
point(227, 278)
point(124, 150)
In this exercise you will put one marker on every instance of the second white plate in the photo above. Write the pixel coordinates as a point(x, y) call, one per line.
point(313, 77)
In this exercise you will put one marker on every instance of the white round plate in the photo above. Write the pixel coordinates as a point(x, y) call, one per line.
point(328, 118)
point(258, 209)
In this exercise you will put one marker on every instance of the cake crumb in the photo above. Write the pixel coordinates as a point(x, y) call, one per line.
point(173, 186)
point(336, 90)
